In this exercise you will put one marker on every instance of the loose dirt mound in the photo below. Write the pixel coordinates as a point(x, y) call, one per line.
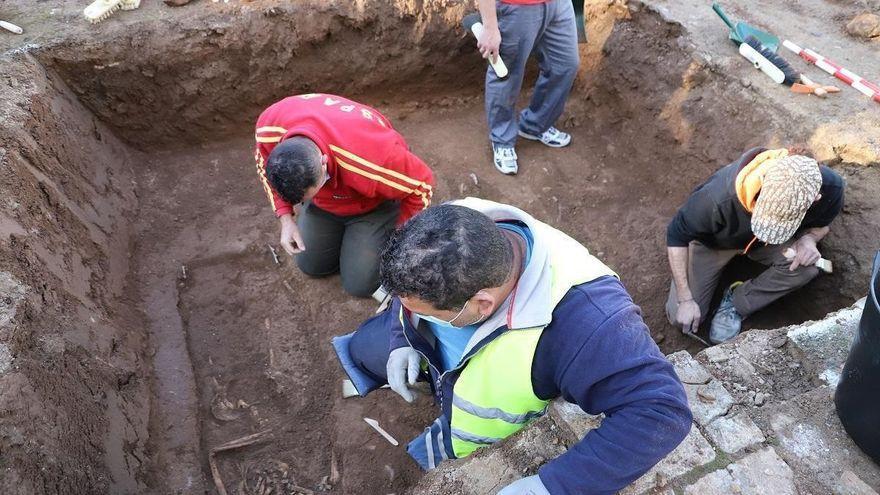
point(133, 226)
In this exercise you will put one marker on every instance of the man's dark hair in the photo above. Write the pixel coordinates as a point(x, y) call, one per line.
point(445, 255)
point(293, 167)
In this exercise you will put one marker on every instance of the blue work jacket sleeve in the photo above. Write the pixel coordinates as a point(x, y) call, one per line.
point(598, 353)
point(397, 339)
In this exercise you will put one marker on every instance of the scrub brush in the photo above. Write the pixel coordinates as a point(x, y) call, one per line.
point(768, 62)
point(99, 10)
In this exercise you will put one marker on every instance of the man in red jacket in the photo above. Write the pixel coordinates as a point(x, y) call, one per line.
point(353, 176)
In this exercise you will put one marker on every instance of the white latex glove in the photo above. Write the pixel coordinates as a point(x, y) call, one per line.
point(402, 368)
point(530, 485)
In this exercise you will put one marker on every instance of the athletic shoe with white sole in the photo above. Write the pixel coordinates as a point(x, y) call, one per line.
point(727, 322)
point(505, 159)
point(552, 137)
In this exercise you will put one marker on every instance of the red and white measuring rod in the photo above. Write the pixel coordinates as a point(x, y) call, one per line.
point(864, 86)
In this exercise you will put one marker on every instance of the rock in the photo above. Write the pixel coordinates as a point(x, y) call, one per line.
point(704, 409)
point(760, 398)
point(763, 472)
point(688, 369)
point(573, 418)
point(851, 484)
point(865, 25)
point(734, 433)
point(693, 452)
point(827, 342)
point(715, 483)
point(5, 359)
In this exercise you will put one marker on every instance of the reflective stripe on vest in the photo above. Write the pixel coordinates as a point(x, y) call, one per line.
point(493, 396)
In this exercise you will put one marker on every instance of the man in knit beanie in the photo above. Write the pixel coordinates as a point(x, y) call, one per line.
point(765, 205)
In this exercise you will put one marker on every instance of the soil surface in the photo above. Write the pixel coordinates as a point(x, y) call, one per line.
point(240, 343)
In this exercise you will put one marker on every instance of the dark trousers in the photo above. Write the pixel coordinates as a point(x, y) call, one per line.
point(368, 346)
point(348, 245)
point(706, 264)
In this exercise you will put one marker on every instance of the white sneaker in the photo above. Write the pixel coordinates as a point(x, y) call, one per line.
point(552, 137)
point(505, 159)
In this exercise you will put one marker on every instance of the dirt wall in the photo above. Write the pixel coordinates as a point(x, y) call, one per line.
point(207, 72)
point(73, 391)
point(650, 118)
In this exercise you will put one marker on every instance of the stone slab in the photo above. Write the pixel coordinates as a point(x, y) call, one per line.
point(851, 484)
point(827, 342)
point(715, 483)
point(695, 451)
point(687, 368)
point(708, 401)
point(734, 433)
point(761, 473)
point(813, 442)
point(573, 419)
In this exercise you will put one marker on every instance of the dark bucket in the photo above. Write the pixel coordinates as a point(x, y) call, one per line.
point(858, 393)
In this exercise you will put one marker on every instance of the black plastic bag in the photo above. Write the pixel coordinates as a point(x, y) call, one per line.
point(858, 394)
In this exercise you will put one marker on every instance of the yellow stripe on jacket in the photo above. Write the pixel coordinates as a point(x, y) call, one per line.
point(428, 190)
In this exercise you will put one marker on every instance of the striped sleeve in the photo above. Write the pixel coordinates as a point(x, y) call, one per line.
point(402, 177)
point(266, 138)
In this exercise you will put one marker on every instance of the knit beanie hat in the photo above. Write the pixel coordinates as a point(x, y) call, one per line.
point(789, 187)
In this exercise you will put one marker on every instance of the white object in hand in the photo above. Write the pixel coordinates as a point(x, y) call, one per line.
point(375, 425)
point(823, 264)
point(497, 64)
point(11, 27)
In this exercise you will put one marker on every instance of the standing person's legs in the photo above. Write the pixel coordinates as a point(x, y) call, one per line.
point(774, 282)
point(557, 53)
point(322, 233)
point(520, 26)
point(704, 270)
point(364, 239)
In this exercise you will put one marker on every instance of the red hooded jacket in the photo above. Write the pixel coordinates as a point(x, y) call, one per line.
point(368, 161)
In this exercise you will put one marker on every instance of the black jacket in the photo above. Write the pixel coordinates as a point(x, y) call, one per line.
point(714, 216)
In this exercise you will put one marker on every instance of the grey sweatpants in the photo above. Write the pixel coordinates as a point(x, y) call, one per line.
point(704, 270)
point(348, 245)
point(548, 29)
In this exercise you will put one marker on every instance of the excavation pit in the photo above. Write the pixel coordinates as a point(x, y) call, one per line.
point(149, 321)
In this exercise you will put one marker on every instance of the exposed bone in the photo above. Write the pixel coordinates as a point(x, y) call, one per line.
point(375, 425)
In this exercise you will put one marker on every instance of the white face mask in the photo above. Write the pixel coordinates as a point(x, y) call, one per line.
point(448, 323)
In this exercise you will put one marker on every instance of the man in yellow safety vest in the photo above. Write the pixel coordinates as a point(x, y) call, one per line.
point(501, 313)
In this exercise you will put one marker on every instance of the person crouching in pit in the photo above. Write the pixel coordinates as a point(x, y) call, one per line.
point(769, 205)
point(339, 178)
